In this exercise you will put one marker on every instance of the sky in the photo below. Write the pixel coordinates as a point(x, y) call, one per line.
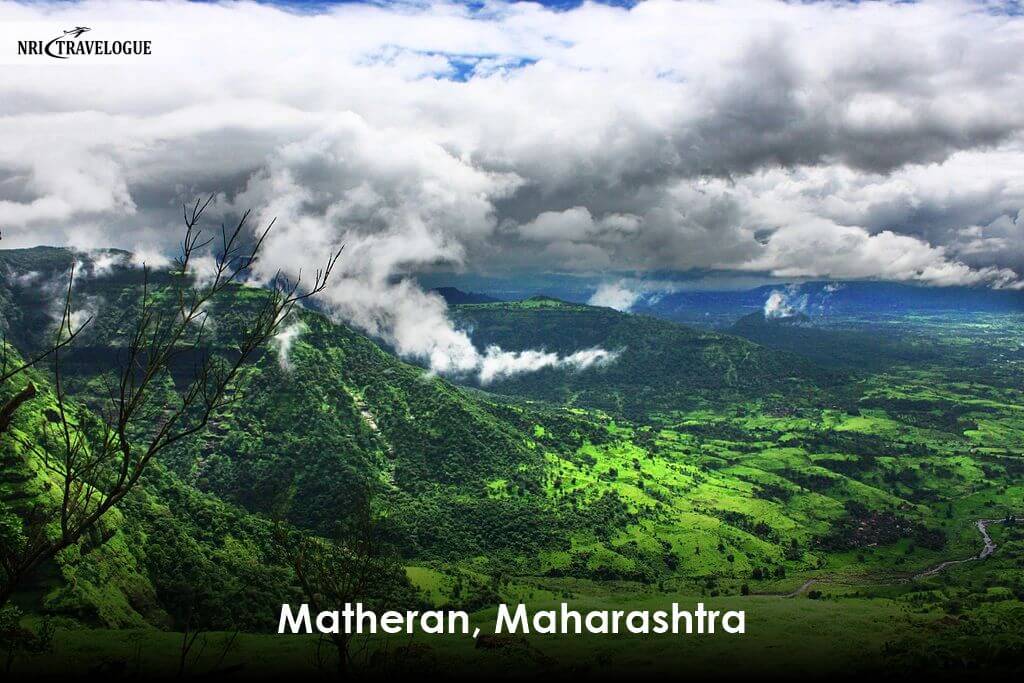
point(801, 140)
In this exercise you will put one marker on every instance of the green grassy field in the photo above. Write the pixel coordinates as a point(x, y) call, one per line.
point(806, 629)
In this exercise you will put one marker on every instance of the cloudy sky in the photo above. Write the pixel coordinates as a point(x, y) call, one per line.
point(833, 139)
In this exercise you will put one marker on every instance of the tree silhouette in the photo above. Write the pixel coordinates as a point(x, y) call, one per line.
point(97, 459)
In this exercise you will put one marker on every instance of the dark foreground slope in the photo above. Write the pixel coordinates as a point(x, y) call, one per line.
point(660, 367)
point(165, 550)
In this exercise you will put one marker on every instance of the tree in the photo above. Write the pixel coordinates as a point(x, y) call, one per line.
point(10, 367)
point(357, 564)
point(97, 458)
point(15, 639)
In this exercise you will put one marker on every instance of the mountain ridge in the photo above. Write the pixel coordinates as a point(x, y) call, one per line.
point(659, 362)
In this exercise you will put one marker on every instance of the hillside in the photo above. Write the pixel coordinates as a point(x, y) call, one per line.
point(130, 572)
point(338, 412)
point(463, 473)
point(661, 366)
point(743, 470)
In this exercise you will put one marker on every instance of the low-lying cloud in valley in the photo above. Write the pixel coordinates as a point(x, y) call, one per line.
point(832, 140)
point(498, 364)
point(625, 293)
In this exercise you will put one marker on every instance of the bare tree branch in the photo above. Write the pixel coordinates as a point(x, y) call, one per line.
point(98, 466)
point(65, 336)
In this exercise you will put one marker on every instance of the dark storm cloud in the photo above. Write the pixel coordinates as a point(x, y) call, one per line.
point(878, 140)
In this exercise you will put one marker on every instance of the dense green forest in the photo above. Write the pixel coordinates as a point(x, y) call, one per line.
point(696, 465)
point(661, 367)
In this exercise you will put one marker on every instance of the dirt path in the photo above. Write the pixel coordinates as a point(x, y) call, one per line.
point(806, 584)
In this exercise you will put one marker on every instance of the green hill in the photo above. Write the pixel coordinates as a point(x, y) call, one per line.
point(132, 570)
point(661, 366)
point(695, 463)
point(520, 486)
point(343, 412)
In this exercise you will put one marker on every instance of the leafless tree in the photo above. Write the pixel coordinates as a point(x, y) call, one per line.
point(98, 461)
point(347, 568)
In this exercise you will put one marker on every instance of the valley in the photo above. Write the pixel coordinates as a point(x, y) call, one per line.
point(821, 497)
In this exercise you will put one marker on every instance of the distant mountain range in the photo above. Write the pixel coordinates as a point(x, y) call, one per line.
point(723, 308)
point(454, 296)
point(659, 365)
point(856, 348)
point(841, 298)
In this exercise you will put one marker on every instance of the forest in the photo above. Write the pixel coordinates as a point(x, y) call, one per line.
point(821, 483)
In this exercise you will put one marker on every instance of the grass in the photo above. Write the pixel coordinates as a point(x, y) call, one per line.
point(809, 631)
point(705, 501)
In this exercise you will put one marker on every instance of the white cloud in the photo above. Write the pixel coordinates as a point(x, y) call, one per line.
point(615, 295)
point(285, 340)
point(577, 225)
point(497, 364)
point(86, 309)
point(785, 303)
point(625, 293)
point(870, 140)
point(26, 279)
point(581, 360)
point(820, 248)
point(147, 255)
point(98, 263)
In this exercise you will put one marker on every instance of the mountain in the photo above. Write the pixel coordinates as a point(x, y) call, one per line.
point(454, 296)
point(339, 412)
point(815, 299)
point(720, 308)
point(879, 298)
point(520, 486)
point(462, 473)
point(660, 366)
point(337, 416)
point(694, 466)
